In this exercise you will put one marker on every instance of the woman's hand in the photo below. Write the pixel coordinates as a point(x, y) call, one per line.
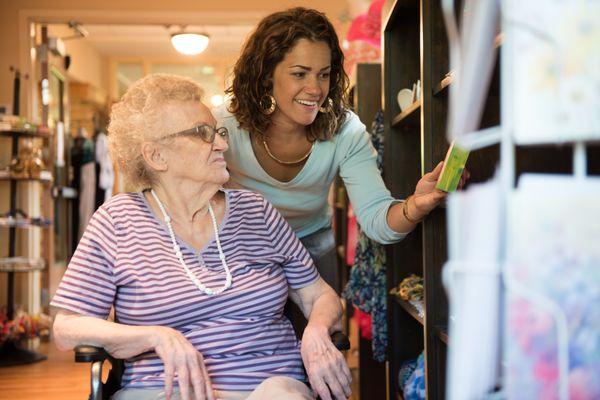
point(426, 196)
point(126, 341)
point(404, 217)
point(325, 365)
point(180, 357)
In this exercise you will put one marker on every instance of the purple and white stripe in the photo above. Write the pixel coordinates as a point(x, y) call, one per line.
point(126, 258)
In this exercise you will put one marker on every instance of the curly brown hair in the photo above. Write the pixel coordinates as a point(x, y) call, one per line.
point(273, 38)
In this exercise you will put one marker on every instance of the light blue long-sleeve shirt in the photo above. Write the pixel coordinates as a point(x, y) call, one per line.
point(303, 200)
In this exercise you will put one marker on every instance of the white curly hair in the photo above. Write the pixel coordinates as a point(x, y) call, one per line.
point(142, 115)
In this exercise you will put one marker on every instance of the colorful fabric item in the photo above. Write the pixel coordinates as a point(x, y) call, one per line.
point(364, 322)
point(405, 372)
point(367, 288)
point(351, 236)
point(414, 389)
point(126, 259)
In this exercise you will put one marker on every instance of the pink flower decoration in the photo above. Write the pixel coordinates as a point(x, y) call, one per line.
point(367, 27)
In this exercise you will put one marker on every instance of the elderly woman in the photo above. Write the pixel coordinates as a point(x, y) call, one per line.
point(197, 275)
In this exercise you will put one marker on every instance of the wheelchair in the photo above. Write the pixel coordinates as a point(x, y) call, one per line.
point(103, 390)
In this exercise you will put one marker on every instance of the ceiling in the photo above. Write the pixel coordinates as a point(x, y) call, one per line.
point(153, 41)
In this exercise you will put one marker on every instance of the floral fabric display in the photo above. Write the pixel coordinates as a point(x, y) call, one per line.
point(553, 277)
point(23, 326)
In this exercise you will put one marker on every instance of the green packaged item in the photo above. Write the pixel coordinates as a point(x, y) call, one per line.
point(454, 165)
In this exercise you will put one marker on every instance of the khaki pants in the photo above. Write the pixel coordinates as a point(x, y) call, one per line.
point(277, 387)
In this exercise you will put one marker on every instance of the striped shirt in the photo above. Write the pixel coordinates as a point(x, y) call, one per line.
point(126, 259)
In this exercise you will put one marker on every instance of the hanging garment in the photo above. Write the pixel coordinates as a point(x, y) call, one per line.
point(367, 287)
point(364, 323)
point(351, 236)
point(105, 172)
point(84, 176)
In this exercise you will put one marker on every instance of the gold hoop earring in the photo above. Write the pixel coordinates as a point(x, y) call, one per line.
point(268, 105)
point(328, 107)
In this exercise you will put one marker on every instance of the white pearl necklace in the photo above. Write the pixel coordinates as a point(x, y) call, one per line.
point(177, 250)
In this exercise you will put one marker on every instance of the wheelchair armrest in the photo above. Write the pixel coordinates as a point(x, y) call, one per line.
point(340, 341)
point(87, 353)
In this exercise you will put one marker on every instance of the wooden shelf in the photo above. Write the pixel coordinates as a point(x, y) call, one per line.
point(46, 177)
point(448, 79)
point(8, 179)
point(25, 133)
point(441, 332)
point(25, 225)
point(409, 308)
point(441, 87)
point(407, 115)
point(21, 264)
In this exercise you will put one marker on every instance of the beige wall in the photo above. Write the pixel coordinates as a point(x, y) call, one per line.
point(14, 14)
point(87, 65)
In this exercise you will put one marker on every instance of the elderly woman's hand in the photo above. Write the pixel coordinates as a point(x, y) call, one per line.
point(179, 356)
point(325, 365)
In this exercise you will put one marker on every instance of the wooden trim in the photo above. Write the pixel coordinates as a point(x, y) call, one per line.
point(406, 114)
point(410, 309)
point(442, 333)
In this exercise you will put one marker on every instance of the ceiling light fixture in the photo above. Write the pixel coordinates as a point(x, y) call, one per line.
point(189, 43)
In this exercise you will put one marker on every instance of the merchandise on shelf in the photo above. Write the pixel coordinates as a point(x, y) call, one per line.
point(410, 289)
point(23, 326)
point(414, 387)
point(19, 218)
point(28, 164)
point(20, 124)
point(21, 264)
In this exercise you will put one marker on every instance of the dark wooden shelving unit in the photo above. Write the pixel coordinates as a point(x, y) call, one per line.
point(410, 115)
point(441, 87)
point(442, 333)
point(415, 47)
point(448, 78)
point(365, 100)
point(409, 308)
point(402, 169)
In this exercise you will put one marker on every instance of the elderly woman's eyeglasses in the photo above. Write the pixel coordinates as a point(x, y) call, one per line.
point(205, 132)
